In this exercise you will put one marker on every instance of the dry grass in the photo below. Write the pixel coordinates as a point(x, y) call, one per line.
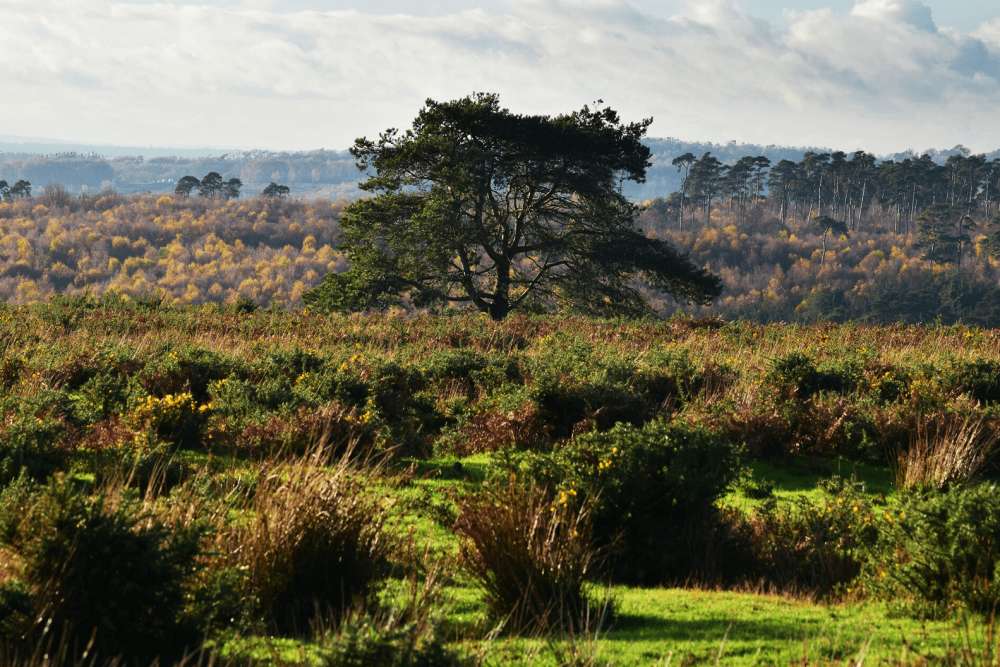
point(944, 451)
point(316, 540)
point(531, 555)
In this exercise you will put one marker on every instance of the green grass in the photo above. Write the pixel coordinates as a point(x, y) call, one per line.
point(683, 626)
point(689, 627)
point(800, 478)
point(655, 626)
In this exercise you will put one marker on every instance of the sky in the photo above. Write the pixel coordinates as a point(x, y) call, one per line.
point(880, 75)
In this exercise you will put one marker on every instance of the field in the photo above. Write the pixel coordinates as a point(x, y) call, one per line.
point(279, 487)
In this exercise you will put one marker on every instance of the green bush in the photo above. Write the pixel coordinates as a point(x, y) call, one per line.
point(940, 551)
point(608, 392)
point(891, 384)
point(105, 570)
point(397, 396)
point(185, 369)
point(102, 395)
point(796, 377)
point(980, 379)
point(218, 600)
point(31, 435)
point(452, 364)
point(652, 492)
point(363, 642)
point(816, 546)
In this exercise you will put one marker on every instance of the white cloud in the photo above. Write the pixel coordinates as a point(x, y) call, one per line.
point(895, 12)
point(882, 76)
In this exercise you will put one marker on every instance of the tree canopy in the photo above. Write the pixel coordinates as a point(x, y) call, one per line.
point(480, 206)
point(275, 191)
point(211, 186)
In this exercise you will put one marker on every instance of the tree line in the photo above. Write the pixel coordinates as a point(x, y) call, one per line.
point(944, 204)
point(213, 186)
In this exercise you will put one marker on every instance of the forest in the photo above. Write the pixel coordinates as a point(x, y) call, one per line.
point(824, 239)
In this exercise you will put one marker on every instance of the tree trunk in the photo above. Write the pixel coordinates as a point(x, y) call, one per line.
point(500, 307)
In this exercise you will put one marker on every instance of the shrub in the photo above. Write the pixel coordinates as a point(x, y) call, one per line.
point(107, 571)
point(174, 419)
point(30, 436)
point(530, 553)
point(365, 641)
point(891, 384)
point(568, 407)
point(186, 370)
point(396, 395)
point(99, 397)
point(452, 364)
point(815, 546)
point(316, 542)
point(980, 379)
point(505, 419)
point(274, 374)
point(671, 373)
point(796, 377)
point(653, 492)
point(832, 425)
point(217, 599)
point(940, 551)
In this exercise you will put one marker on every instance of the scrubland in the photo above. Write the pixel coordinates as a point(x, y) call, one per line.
point(224, 485)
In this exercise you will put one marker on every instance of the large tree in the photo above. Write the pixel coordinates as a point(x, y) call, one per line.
point(186, 185)
point(479, 206)
point(212, 185)
point(20, 190)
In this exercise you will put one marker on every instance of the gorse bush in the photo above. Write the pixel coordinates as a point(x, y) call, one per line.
point(651, 492)
point(814, 546)
point(531, 553)
point(184, 369)
point(315, 544)
point(796, 377)
point(102, 570)
point(980, 379)
point(174, 419)
point(27, 444)
point(940, 551)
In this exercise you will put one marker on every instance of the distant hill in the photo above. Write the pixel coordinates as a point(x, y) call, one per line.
point(319, 173)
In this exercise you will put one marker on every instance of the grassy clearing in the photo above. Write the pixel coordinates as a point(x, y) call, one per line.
point(681, 626)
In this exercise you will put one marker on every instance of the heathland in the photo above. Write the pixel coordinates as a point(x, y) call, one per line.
point(495, 412)
point(279, 487)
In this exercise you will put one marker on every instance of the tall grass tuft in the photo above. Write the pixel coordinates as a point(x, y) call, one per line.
point(104, 574)
point(316, 541)
point(531, 554)
point(945, 451)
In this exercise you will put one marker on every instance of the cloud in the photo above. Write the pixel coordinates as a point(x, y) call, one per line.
point(882, 76)
point(897, 12)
